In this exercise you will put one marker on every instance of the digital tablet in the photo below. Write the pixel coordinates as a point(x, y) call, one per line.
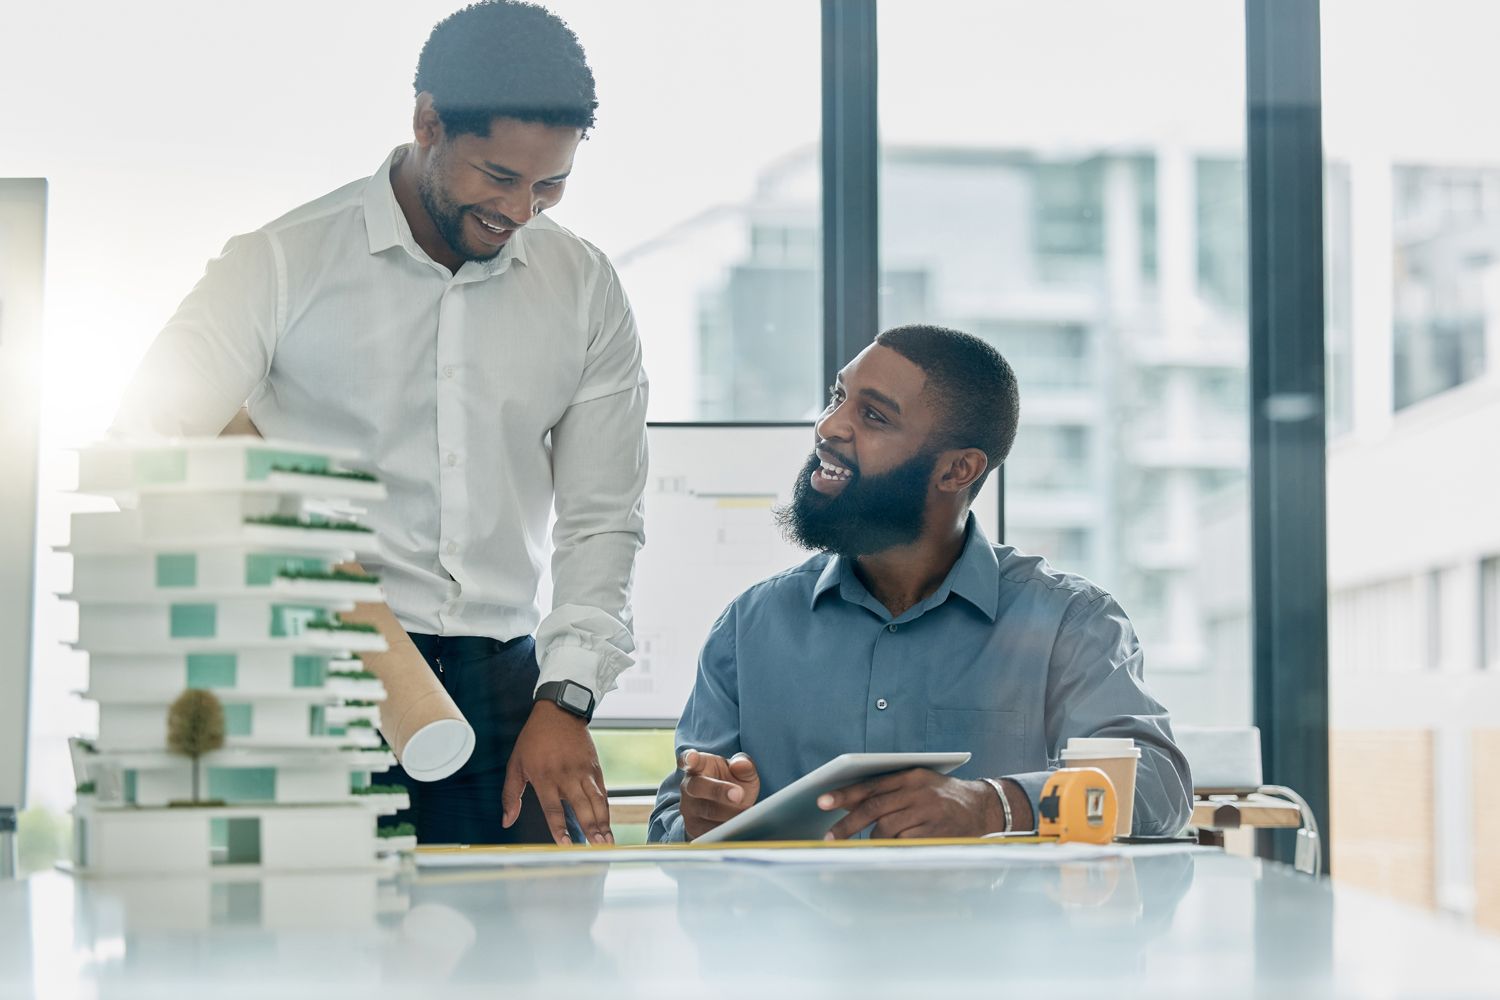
point(793, 813)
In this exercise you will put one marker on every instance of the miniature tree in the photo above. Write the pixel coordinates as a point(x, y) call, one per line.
point(195, 726)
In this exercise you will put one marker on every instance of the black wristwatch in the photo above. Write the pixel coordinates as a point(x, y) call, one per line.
point(570, 696)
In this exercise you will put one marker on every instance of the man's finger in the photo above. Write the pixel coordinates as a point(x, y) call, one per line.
point(708, 809)
point(742, 768)
point(713, 807)
point(698, 762)
point(591, 807)
point(701, 786)
point(510, 794)
point(867, 812)
point(552, 808)
point(900, 823)
point(850, 796)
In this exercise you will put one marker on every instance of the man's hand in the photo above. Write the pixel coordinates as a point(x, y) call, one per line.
point(555, 756)
point(916, 803)
point(715, 790)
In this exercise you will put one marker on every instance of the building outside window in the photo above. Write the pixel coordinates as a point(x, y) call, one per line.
point(1412, 199)
point(1446, 223)
point(1095, 234)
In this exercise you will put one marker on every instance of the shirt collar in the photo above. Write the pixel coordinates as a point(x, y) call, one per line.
point(975, 577)
point(386, 225)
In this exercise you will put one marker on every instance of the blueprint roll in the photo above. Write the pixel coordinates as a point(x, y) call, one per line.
point(426, 731)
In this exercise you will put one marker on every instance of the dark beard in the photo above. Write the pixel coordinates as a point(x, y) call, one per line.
point(870, 515)
point(448, 215)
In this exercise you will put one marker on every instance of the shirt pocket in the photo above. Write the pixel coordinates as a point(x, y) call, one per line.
point(996, 740)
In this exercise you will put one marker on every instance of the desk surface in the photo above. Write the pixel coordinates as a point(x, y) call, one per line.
point(1202, 923)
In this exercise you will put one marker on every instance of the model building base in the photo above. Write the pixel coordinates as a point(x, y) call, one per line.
point(187, 837)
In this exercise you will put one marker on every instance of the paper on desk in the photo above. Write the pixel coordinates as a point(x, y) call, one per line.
point(948, 854)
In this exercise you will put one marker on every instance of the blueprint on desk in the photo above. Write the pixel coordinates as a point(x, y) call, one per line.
point(965, 853)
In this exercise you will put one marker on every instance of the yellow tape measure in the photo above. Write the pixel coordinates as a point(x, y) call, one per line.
point(1078, 805)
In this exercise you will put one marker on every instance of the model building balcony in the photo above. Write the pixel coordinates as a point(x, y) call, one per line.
point(250, 721)
point(267, 522)
point(208, 465)
point(243, 777)
point(228, 571)
point(213, 626)
point(260, 673)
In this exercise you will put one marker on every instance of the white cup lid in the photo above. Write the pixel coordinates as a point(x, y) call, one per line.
point(1100, 746)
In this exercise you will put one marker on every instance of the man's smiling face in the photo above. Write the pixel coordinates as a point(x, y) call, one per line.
point(479, 190)
point(866, 485)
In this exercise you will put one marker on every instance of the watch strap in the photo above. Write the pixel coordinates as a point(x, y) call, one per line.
point(553, 691)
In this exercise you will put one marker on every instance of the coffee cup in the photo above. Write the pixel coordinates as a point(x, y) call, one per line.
point(1117, 758)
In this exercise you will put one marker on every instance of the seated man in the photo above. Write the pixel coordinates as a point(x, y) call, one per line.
point(911, 631)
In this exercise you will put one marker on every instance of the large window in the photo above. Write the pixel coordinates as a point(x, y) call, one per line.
point(1413, 199)
point(1049, 184)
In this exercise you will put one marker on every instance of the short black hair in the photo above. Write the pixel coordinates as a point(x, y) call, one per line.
point(972, 386)
point(505, 59)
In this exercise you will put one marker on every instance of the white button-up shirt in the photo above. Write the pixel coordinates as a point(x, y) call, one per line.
point(477, 396)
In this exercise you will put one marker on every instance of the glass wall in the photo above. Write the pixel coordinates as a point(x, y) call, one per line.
point(1413, 193)
point(1049, 184)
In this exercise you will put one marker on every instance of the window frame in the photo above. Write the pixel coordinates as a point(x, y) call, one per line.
point(1288, 436)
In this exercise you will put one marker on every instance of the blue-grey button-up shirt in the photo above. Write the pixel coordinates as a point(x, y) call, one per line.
point(1007, 660)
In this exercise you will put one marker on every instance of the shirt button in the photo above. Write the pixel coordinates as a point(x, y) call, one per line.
point(451, 547)
point(452, 458)
point(891, 628)
point(881, 704)
point(448, 371)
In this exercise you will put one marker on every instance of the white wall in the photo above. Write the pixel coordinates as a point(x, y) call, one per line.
point(1425, 496)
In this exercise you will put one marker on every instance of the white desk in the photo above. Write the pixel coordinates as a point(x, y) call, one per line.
point(1204, 924)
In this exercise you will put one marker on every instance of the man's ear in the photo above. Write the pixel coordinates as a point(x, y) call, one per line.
point(958, 469)
point(426, 126)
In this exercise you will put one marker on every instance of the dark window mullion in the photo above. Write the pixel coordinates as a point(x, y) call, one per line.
point(1288, 449)
point(851, 183)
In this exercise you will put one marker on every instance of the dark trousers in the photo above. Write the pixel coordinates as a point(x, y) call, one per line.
point(492, 683)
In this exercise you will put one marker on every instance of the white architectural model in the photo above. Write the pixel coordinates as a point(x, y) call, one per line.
point(218, 573)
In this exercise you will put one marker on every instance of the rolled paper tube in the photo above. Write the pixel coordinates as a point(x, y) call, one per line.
point(426, 731)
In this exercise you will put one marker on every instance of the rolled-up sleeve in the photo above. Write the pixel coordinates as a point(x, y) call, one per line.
point(710, 723)
point(1096, 687)
point(213, 352)
point(599, 479)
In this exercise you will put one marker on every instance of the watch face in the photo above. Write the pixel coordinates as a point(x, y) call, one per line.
point(577, 697)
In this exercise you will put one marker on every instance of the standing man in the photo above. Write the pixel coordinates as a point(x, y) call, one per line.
point(487, 362)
